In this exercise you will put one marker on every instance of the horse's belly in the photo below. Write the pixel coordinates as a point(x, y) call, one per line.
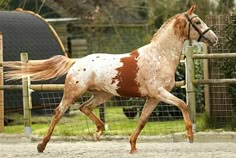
point(115, 89)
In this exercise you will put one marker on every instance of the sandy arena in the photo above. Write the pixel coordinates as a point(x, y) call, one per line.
point(12, 148)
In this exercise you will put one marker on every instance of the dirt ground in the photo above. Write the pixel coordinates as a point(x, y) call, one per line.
point(25, 148)
point(119, 149)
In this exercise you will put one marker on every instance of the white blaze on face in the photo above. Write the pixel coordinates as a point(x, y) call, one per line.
point(210, 34)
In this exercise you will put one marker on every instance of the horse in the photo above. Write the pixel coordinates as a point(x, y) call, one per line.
point(148, 71)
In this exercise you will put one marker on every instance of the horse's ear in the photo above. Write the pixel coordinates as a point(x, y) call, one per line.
point(191, 10)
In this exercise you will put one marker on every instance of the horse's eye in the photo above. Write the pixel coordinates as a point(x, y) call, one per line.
point(198, 22)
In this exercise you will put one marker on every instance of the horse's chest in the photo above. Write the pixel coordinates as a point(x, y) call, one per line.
point(153, 74)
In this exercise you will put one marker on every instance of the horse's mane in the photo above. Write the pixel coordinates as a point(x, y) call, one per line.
point(163, 26)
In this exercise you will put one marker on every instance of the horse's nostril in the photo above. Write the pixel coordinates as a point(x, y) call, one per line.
point(216, 39)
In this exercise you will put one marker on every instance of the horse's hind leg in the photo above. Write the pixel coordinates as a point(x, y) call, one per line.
point(67, 99)
point(58, 113)
point(87, 107)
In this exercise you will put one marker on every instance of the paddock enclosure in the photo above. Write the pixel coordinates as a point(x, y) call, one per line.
point(36, 37)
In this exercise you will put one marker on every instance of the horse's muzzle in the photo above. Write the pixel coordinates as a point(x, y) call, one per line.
point(212, 41)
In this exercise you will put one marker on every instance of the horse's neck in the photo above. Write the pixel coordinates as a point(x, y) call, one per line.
point(168, 44)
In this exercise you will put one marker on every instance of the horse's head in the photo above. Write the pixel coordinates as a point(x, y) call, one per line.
point(198, 30)
point(193, 28)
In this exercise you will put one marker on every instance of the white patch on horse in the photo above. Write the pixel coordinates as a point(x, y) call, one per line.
point(93, 71)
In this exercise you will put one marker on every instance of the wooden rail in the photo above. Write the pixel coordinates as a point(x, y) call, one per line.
point(36, 87)
point(55, 87)
point(214, 81)
point(214, 56)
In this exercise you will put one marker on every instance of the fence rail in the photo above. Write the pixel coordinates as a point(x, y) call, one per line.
point(214, 56)
point(214, 81)
point(55, 87)
point(36, 87)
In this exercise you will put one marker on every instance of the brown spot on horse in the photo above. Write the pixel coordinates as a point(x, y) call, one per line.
point(126, 76)
point(179, 26)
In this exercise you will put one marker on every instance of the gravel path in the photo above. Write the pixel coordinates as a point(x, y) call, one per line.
point(118, 149)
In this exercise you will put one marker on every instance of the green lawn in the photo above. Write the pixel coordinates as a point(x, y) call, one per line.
point(118, 124)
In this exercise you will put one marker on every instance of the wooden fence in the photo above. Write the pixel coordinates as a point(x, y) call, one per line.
point(190, 85)
point(191, 82)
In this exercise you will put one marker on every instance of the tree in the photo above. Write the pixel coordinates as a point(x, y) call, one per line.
point(102, 11)
point(226, 7)
point(161, 10)
point(38, 6)
point(3, 4)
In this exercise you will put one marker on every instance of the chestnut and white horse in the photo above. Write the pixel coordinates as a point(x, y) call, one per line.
point(148, 71)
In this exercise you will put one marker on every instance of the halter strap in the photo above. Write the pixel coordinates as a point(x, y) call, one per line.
point(201, 34)
point(190, 23)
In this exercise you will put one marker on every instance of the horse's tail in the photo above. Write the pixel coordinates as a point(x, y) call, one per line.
point(37, 70)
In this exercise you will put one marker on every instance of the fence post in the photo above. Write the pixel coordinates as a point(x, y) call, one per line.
point(206, 76)
point(1, 92)
point(190, 87)
point(26, 99)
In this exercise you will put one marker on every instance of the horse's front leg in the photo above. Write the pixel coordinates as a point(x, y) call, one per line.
point(169, 98)
point(149, 106)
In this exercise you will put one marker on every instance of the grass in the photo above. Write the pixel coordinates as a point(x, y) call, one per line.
point(80, 125)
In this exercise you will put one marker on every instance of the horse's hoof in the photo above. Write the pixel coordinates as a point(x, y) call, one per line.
point(96, 137)
point(190, 140)
point(132, 151)
point(40, 148)
point(189, 137)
